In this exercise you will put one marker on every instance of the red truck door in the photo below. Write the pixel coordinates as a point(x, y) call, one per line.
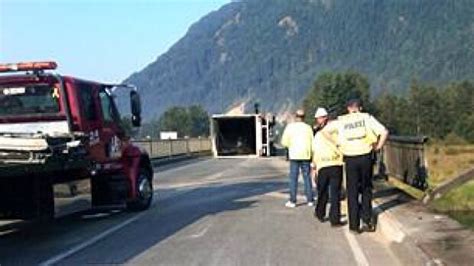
point(91, 122)
point(110, 186)
point(112, 133)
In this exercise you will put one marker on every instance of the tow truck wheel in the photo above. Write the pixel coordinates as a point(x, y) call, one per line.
point(144, 187)
point(45, 198)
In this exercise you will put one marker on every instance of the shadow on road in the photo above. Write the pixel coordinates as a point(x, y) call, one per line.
point(169, 215)
point(388, 198)
point(384, 193)
point(175, 213)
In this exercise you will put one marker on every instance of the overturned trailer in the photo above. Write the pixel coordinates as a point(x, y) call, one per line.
point(245, 135)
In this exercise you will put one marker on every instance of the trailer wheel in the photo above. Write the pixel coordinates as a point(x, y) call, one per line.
point(144, 190)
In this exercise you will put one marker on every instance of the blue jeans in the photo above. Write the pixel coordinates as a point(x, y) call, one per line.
point(295, 166)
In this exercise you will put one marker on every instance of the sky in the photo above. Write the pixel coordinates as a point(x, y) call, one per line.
point(103, 40)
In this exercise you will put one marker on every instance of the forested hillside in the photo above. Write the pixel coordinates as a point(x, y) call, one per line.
point(271, 51)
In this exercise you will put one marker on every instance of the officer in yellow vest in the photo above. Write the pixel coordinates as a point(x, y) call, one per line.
point(298, 138)
point(328, 161)
point(359, 134)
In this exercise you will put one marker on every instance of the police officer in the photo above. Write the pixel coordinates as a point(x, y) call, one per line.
point(359, 135)
point(298, 138)
point(328, 161)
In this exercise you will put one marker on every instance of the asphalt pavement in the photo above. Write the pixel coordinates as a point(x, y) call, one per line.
point(205, 212)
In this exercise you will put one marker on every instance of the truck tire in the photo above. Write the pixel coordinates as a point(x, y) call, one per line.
point(144, 190)
point(98, 190)
point(45, 199)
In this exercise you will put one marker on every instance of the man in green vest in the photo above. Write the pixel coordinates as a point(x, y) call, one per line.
point(298, 139)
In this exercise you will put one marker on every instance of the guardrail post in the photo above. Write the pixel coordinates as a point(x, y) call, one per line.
point(151, 147)
point(170, 150)
point(188, 151)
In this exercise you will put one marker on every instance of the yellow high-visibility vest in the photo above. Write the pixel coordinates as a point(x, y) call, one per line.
point(325, 154)
point(298, 138)
point(357, 133)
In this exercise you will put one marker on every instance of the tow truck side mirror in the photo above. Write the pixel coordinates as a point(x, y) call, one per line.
point(136, 108)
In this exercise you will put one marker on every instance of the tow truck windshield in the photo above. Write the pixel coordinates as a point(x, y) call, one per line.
point(29, 100)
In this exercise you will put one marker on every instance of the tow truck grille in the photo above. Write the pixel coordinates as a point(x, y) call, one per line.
point(8, 156)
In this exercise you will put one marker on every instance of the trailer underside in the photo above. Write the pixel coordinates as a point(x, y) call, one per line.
point(236, 137)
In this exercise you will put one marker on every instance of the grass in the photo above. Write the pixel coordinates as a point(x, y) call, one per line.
point(464, 217)
point(458, 203)
point(447, 161)
point(458, 199)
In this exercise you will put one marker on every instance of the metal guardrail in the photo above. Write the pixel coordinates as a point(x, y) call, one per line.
point(170, 148)
point(403, 157)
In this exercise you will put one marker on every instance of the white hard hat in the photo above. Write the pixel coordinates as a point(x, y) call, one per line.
point(320, 112)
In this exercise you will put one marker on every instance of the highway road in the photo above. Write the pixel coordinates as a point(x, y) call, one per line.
point(206, 212)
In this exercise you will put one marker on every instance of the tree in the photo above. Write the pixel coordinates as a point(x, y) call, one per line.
point(150, 129)
point(387, 108)
point(426, 111)
point(430, 111)
point(176, 119)
point(188, 122)
point(459, 106)
point(394, 112)
point(332, 90)
point(465, 128)
point(199, 119)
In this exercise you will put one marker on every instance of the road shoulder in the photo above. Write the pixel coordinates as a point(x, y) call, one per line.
point(411, 227)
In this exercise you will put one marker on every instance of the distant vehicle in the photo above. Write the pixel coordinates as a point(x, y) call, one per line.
point(248, 135)
point(58, 129)
point(164, 135)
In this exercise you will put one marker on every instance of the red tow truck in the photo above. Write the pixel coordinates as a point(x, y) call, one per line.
point(58, 129)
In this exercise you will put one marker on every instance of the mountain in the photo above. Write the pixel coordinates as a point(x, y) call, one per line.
point(270, 51)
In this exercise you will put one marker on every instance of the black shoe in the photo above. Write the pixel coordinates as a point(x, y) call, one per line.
point(338, 224)
point(321, 219)
point(368, 227)
point(355, 231)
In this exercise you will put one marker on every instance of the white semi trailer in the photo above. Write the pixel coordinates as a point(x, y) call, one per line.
point(244, 135)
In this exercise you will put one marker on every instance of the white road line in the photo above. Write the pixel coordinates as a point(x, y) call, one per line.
point(97, 238)
point(215, 176)
point(356, 250)
point(361, 259)
point(89, 242)
point(201, 232)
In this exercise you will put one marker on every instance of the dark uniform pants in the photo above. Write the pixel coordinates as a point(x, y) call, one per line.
point(329, 178)
point(359, 171)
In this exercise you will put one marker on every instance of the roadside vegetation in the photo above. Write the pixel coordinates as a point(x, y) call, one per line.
point(446, 161)
point(458, 203)
point(444, 114)
point(459, 199)
point(192, 121)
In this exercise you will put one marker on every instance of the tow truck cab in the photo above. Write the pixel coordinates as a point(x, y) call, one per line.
point(59, 129)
